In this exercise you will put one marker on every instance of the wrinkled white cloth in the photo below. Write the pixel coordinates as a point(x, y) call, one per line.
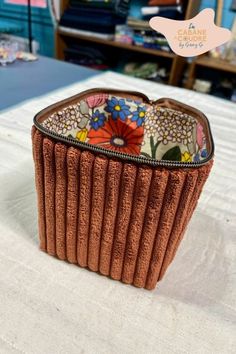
point(48, 306)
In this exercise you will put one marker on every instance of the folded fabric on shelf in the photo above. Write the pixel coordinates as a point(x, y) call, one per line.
point(173, 12)
point(120, 7)
point(164, 2)
point(106, 36)
point(98, 19)
point(86, 56)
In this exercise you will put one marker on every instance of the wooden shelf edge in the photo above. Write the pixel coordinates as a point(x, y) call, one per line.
point(215, 63)
point(154, 52)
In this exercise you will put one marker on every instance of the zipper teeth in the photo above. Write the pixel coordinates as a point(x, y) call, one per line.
point(121, 155)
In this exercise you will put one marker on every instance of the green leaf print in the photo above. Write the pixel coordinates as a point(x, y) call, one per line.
point(173, 154)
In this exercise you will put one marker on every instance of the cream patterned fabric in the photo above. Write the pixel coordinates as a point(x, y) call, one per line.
point(132, 127)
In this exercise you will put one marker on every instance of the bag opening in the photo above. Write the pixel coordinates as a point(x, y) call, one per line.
point(131, 124)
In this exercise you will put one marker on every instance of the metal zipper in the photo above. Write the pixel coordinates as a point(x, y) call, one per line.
point(112, 153)
point(123, 156)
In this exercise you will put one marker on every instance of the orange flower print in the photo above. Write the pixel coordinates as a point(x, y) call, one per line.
point(118, 135)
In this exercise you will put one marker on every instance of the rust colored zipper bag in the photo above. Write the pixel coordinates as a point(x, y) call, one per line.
point(118, 177)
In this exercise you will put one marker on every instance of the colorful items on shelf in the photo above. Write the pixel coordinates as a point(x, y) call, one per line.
point(149, 71)
point(150, 39)
point(124, 34)
point(139, 33)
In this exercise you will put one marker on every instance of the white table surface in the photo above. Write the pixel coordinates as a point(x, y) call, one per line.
point(48, 306)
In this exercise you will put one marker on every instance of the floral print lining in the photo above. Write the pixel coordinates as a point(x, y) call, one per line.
point(133, 127)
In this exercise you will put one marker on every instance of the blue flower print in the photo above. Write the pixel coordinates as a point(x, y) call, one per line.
point(204, 153)
point(97, 120)
point(117, 108)
point(133, 101)
point(200, 155)
point(196, 158)
point(139, 115)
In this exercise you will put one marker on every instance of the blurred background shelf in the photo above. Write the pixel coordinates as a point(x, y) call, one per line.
point(112, 43)
point(120, 53)
point(115, 35)
point(212, 64)
point(215, 63)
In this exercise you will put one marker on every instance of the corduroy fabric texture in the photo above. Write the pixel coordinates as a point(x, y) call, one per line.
point(120, 219)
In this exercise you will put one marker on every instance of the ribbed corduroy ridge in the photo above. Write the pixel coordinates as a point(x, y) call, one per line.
point(181, 216)
point(73, 180)
point(37, 140)
point(124, 208)
point(49, 190)
point(168, 213)
point(60, 199)
point(96, 213)
point(203, 174)
point(139, 203)
point(122, 219)
point(110, 212)
point(152, 215)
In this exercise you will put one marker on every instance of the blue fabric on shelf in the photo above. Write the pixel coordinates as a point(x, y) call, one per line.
point(24, 80)
point(95, 20)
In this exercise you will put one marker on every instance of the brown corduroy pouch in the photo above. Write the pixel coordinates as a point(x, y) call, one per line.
point(118, 177)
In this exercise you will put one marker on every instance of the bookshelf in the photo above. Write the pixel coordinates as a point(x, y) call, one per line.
point(177, 63)
point(208, 62)
point(112, 43)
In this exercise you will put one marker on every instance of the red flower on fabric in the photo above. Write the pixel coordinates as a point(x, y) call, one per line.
point(118, 135)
